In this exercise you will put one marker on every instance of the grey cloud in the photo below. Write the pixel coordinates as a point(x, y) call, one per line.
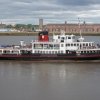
point(28, 11)
point(78, 2)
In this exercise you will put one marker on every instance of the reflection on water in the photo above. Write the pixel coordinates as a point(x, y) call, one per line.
point(49, 81)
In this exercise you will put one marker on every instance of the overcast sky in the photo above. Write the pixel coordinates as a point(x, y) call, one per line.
point(52, 11)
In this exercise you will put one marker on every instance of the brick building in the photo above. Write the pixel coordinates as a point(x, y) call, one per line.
point(73, 28)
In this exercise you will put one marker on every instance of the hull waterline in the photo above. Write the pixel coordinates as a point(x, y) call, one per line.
point(50, 57)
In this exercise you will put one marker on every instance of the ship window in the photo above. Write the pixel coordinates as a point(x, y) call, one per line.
point(58, 51)
point(8, 52)
point(53, 52)
point(51, 46)
point(56, 46)
point(84, 51)
point(89, 44)
point(86, 44)
point(49, 52)
point(15, 52)
point(87, 51)
point(68, 44)
point(0, 51)
point(4, 51)
point(83, 44)
point(73, 37)
point(77, 44)
point(62, 38)
point(61, 51)
point(95, 51)
point(74, 44)
point(71, 44)
point(58, 37)
point(45, 46)
point(69, 37)
point(62, 45)
point(98, 51)
point(43, 52)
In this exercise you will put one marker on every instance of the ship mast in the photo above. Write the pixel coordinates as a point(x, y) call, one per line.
point(81, 39)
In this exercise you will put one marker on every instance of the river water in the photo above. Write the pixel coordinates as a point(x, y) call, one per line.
point(20, 80)
point(10, 40)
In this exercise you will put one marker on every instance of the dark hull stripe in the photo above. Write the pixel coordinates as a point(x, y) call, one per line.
point(49, 57)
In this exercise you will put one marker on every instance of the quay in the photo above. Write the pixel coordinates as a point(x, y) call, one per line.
point(36, 33)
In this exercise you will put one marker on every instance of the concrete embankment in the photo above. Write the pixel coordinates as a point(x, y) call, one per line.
point(18, 33)
point(36, 33)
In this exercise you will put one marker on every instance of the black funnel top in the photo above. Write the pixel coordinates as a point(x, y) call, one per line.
point(43, 33)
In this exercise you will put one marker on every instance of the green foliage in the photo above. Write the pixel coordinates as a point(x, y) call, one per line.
point(26, 27)
point(9, 26)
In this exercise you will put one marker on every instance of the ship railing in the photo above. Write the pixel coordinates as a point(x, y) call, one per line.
point(9, 51)
point(92, 49)
point(88, 47)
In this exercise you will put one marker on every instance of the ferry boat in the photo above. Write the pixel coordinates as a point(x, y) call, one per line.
point(60, 48)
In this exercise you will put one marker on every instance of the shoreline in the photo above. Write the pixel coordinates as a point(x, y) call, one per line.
point(36, 33)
